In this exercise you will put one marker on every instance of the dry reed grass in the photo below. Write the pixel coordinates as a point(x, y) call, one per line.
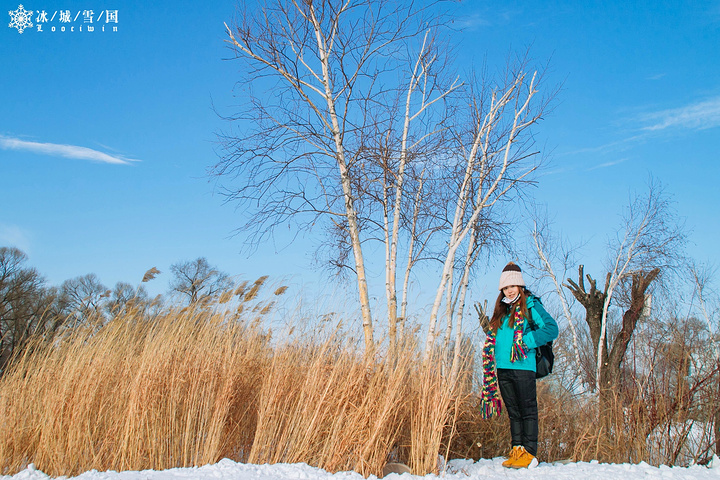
point(135, 394)
point(189, 387)
point(193, 386)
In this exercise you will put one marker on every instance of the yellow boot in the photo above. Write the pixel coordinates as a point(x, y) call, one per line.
point(523, 459)
point(512, 456)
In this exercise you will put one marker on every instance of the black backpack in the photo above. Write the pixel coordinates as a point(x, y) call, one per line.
point(544, 357)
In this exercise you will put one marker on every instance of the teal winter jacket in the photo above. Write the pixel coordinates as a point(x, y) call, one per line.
point(544, 331)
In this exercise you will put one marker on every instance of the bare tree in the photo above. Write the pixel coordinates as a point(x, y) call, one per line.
point(197, 281)
point(649, 242)
point(82, 299)
point(594, 301)
point(311, 159)
point(27, 307)
point(124, 297)
point(366, 133)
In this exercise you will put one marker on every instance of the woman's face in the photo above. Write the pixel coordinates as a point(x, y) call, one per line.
point(511, 292)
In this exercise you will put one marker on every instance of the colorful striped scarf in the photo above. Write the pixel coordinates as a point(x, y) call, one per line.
point(490, 396)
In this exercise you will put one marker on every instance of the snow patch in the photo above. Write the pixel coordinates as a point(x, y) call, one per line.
point(462, 469)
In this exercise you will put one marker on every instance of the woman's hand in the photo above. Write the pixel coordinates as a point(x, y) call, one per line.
point(482, 316)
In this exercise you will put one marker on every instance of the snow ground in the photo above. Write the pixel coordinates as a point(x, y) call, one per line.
point(456, 469)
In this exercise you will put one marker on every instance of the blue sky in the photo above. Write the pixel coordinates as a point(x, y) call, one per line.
point(106, 137)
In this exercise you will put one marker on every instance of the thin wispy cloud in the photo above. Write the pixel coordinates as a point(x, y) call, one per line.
point(607, 164)
point(610, 147)
point(639, 129)
point(468, 20)
point(472, 21)
point(60, 150)
point(697, 116)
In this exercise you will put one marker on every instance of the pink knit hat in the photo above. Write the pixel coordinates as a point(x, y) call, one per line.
point(511, 275)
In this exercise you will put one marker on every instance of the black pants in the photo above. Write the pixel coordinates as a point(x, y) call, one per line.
point(517, 388)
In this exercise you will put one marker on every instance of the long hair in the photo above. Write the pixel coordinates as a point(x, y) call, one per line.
point(502, 309)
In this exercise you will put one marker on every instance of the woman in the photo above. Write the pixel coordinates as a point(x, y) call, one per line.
point(518, 326)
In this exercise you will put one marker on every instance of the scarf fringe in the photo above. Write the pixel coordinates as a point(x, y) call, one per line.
point(518, 352)
point(490, 407)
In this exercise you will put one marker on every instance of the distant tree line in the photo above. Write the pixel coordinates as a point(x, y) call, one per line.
point(30, 307)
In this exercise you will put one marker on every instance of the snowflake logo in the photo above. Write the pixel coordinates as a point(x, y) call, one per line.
point(20, 19)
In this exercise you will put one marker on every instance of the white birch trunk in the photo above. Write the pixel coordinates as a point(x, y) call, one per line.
point(389, 275)
point(448, 310)
point(351, 214)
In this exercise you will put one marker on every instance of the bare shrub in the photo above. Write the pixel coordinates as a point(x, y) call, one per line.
point(662, 411)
